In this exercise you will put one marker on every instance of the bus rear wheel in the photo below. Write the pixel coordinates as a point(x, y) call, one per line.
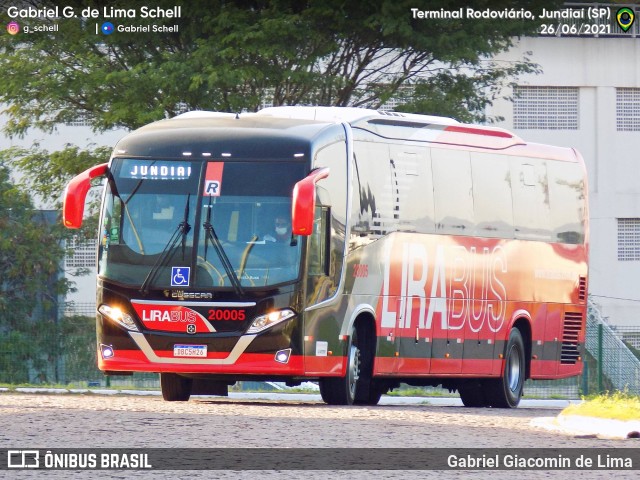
point(506, 391)
point(175, 388)
point(472, 393)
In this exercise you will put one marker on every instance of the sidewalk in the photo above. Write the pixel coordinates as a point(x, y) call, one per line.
point(580, 426)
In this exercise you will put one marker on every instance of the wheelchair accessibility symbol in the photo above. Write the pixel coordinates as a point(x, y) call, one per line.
point(180, 276)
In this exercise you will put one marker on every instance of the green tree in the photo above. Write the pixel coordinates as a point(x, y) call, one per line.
point(30, 256)
point(230, 56)
point(48, 172)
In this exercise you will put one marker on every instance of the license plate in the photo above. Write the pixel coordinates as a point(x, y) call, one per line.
point(190, 351)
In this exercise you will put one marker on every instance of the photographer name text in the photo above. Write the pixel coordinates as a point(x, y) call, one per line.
point(90, 12)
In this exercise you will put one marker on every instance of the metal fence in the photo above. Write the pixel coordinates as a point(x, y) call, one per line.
point(630, 336)
point(617, 360)
point(64, 354)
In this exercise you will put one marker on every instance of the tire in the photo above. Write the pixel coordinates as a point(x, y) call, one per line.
point(373, 397)
point(368, 391)
point(342, 390)
point(506, 391)
point(175, 388)
point(357, 386)
point(472, 394)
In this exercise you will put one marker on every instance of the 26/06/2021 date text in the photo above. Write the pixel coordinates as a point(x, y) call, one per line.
point(557, 29)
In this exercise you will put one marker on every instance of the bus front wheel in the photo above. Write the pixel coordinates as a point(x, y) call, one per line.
point(506, 391)
point(342, 390)
point(357, 385)
point(175, 388)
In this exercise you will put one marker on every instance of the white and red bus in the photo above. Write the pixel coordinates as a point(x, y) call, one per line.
point(357, 248)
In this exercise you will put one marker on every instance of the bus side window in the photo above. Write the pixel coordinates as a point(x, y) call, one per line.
point(453, 192)
point(531, 209)
point(319, 243)
point(568, 203)
point(112, 223)
point(492, 197)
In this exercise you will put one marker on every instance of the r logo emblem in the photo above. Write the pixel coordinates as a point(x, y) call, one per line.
point(191, 328)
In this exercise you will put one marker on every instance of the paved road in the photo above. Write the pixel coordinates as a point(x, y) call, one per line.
point(122, 421)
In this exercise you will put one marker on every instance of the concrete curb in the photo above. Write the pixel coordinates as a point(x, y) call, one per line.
point(578, 425)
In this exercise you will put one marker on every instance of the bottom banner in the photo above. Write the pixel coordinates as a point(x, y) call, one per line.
point(320, 459)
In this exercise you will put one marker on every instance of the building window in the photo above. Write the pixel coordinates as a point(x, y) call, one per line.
point(628, 239)
point(81, 254)
point(628, 109)
point(545, 108)
point(82, 120)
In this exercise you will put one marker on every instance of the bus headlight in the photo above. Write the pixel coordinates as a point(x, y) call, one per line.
point(269, 320)
point(116, 315)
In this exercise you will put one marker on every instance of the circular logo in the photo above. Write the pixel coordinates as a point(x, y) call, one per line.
point(107, 28)
point(13, 28)
point(191, 328)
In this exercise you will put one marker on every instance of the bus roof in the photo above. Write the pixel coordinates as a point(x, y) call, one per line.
point(429, 128)
point(350, 115)
point(303, 127)
point(199, 133)
point(394, 125)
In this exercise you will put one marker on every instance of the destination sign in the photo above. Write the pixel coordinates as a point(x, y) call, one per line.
point(145, 170)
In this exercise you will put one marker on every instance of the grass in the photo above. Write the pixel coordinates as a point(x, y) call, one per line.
point(12, 387)
point(617, 406)
point(420, 392)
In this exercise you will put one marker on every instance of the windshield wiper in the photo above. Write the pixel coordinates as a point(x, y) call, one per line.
point(215, 241)
point(181, 232)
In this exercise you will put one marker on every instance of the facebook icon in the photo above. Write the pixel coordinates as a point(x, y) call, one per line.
point(180, 276)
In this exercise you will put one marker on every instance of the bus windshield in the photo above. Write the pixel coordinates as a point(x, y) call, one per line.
point(184, 224)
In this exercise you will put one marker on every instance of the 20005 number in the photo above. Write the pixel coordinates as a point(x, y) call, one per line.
point(226, 315)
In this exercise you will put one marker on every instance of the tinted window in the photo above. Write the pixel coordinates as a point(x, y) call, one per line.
point(531, 207)
point(453, 192)
point(412, 186)
point(329, 223)
point(149, 202)
point(568, 203)
point(373, 178)
point(492, 200)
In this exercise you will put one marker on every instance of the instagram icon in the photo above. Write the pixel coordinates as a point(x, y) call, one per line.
point(13, 28)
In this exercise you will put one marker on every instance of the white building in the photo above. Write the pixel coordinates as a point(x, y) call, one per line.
point(588, 97)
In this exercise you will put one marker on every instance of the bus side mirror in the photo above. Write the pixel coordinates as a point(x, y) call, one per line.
point(76, 193)
point(304, 202)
